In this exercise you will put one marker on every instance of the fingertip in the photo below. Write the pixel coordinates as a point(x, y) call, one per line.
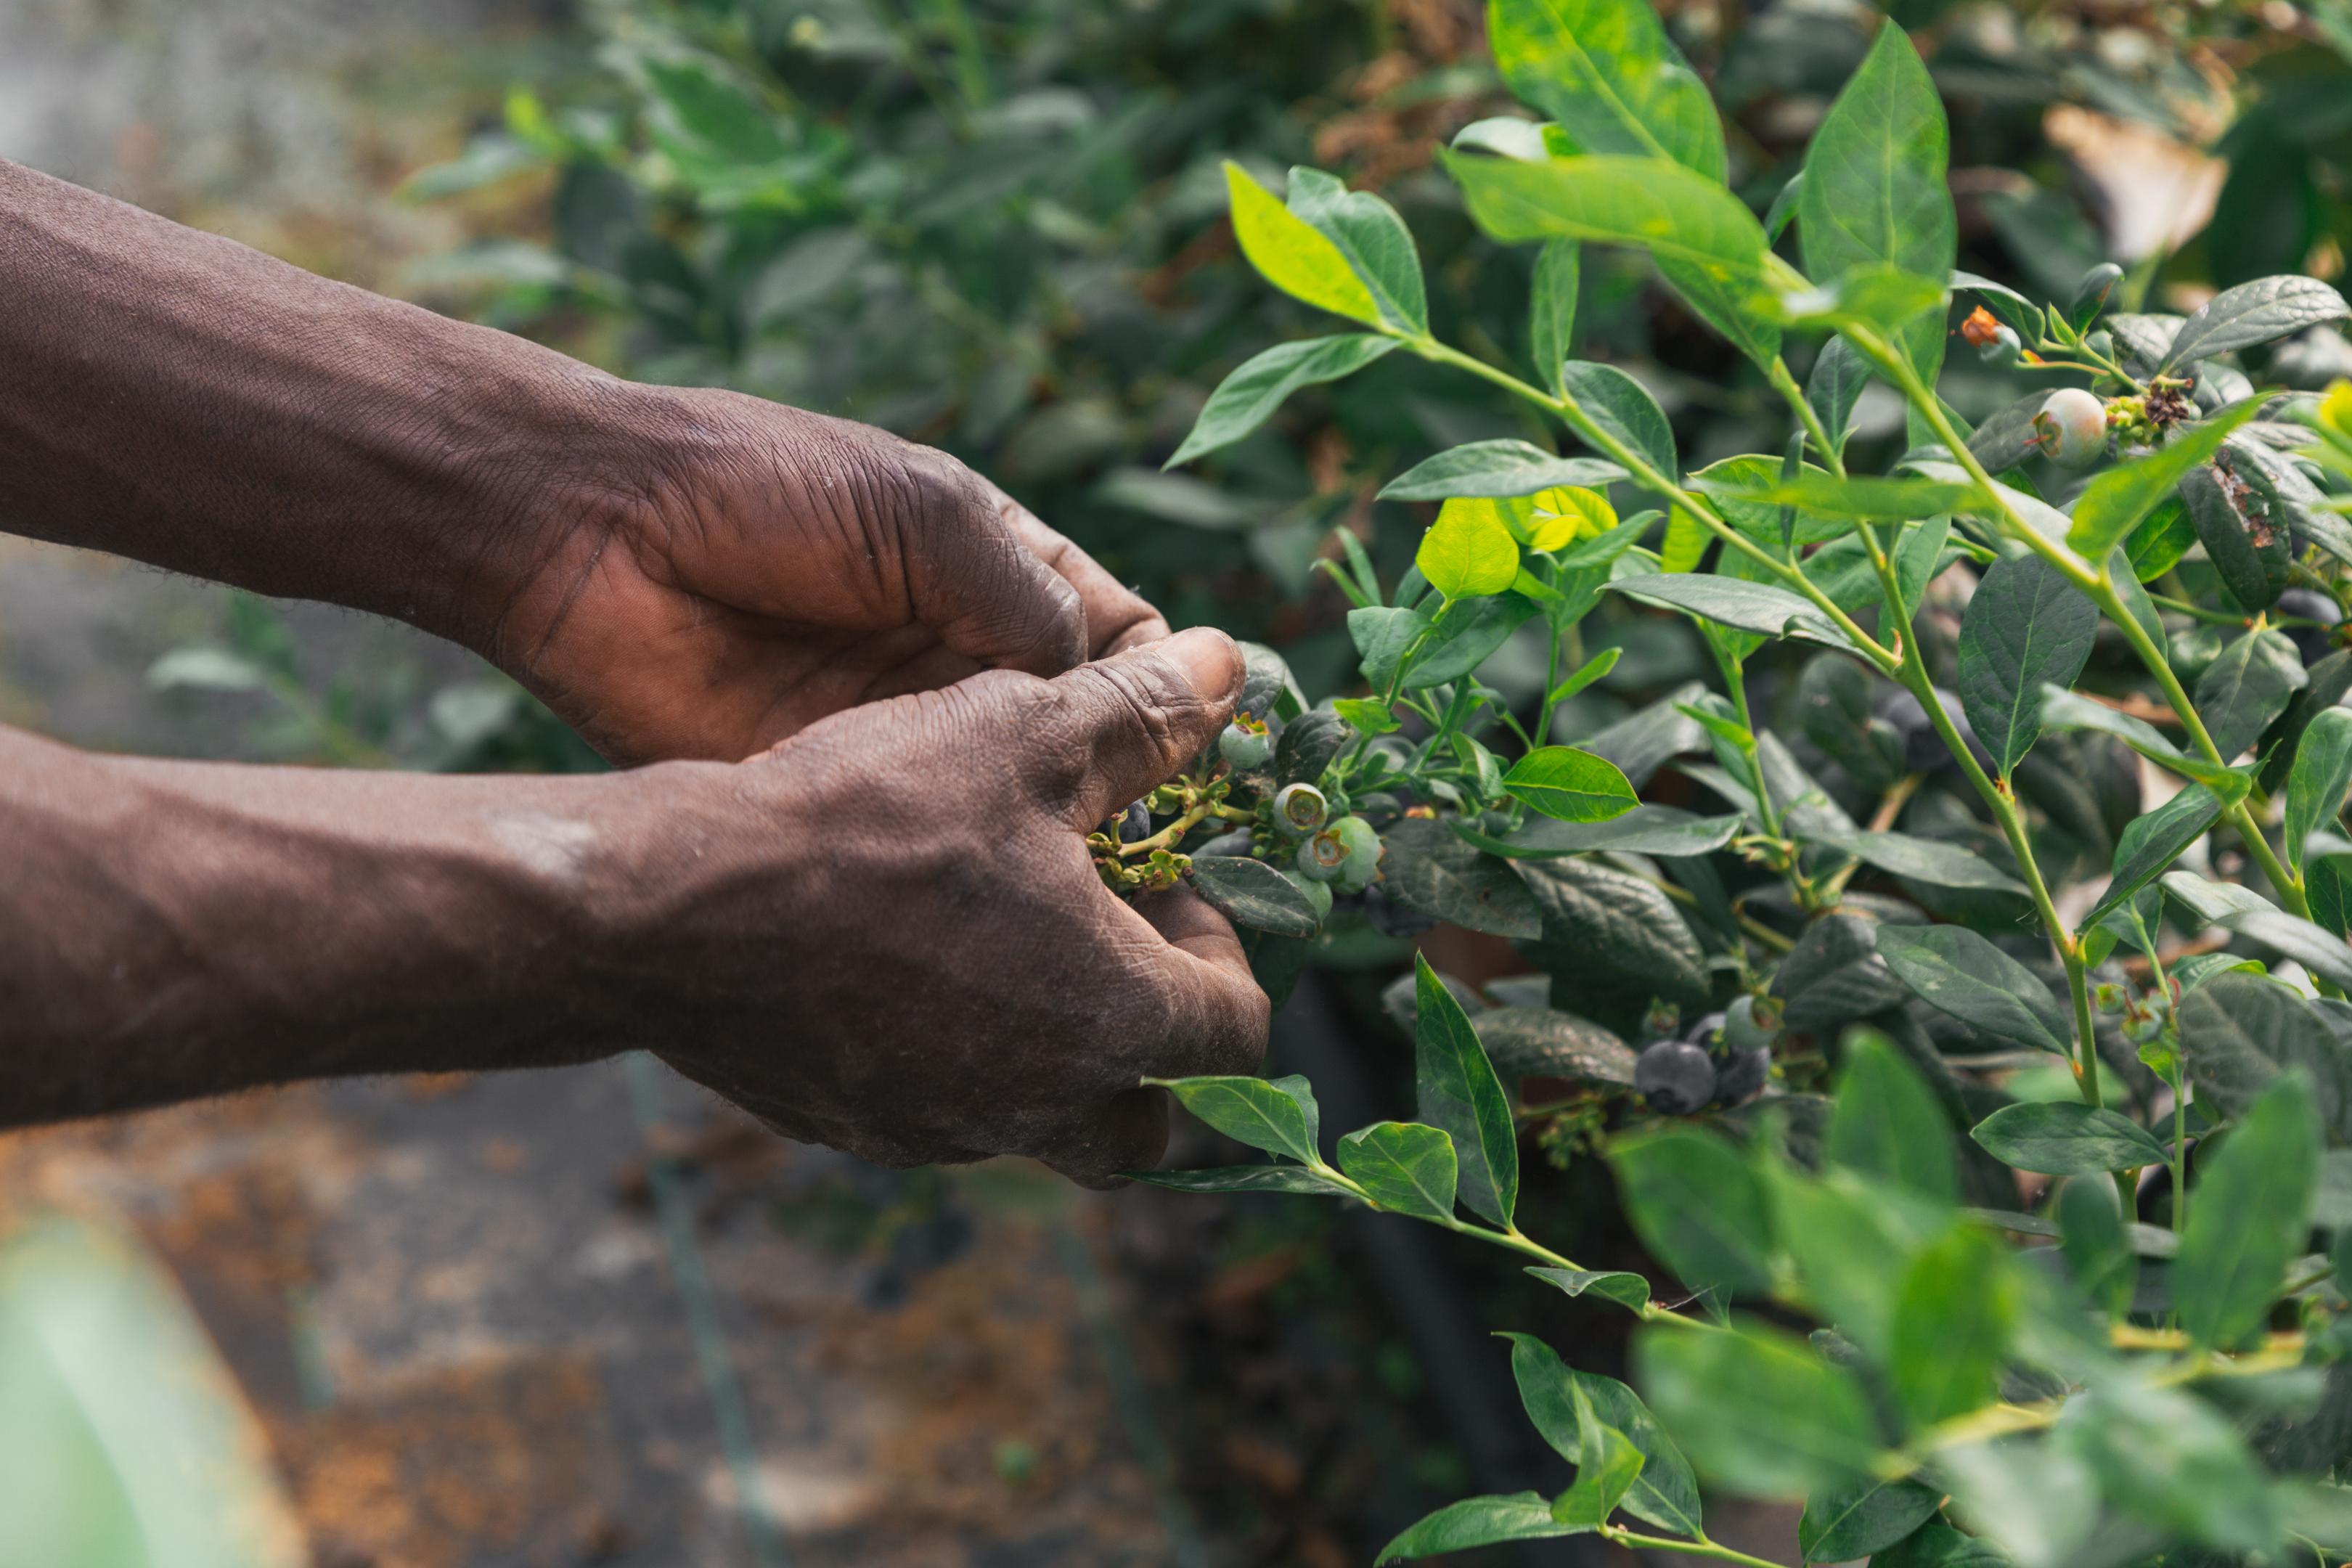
point(1211, 662)
point(1130, 1135)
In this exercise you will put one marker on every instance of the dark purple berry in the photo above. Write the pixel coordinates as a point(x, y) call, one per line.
point(1675, 1077)
point(2311, 642)
point(1742, 1077)
point(1135, 822)
point(1703, 1033)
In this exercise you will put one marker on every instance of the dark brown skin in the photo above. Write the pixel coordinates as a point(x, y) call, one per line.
point(880, 931)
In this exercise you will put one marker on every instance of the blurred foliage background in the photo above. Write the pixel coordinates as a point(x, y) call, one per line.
point(995, 225)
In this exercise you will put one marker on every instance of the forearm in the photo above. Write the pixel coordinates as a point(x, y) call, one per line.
point(178, 398)
point(172, 930)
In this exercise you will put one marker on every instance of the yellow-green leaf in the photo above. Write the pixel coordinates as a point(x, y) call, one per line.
point(1293, 254)
point(1468, 552)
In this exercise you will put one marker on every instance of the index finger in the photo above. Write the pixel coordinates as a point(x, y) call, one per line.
point(1116, 616)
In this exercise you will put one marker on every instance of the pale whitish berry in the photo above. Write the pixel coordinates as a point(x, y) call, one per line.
point(1300, 807)
point(2072, 427)
point(2002, 349)
point(1245, 743)
point(1363, 862)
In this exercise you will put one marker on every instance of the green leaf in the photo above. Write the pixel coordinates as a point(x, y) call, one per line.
point(1606, 1466)
point(2239, 1032)
point(1293, 255)
point(1607, 925)
point(1565, 1405)
point(1607, 72)
point(2322, 773)
point(1467, 636)
point(1957, 972)
point(1551, 315)
point(1406, 1167)
point(1886, 1122)
point(1624, 408)
point(1382, 636)
point(1461, 1096)
point(2152, 842)
point(2098, 1250)
point(1834, 385)
point(1468, 552)
point(1368, 233)
point(1252, 893)
point(1757, 607)
point(1698, 1208)
point(2251, 916)
point(1244, 399)
point(1368, 715)
point(1916, 859)
point(1478, 1521)
point(1644, 830)
point(1850, 1521)
point(2246, 686)
point(1497, 468)
point(1628, 1291)
point(2248, 1217)
point(1570, 785)
point(1939, 1545)
point(1708, 245)
point(1856, 496)
point(129, 1443)
point(1875, 189)
point(1532, 1042)
point(1758, 1410)
point(1277, 1115)
point(2259, 312)
point(1241, 1179)
point(1954, 1313)
point(1585, 674)
point(2064, 710)
point(2112, 505)
point(2162, 538)
point(2025, 626)
point(1431, 870)
point(2066, 1137)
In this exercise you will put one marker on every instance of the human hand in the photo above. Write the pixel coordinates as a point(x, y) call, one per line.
point(887, 933)
point(772, 567)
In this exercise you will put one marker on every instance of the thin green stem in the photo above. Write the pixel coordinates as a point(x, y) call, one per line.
point(1699, 1548)
point(1816, 432)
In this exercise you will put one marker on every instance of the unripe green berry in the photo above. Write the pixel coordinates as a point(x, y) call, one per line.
point(2003, 349)
point(2072, 427)
point(1300, 807)
point(1323, 856)
point(1319, 895)
point(1245, 743)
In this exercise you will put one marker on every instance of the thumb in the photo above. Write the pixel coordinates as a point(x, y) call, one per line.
point(1144, 713)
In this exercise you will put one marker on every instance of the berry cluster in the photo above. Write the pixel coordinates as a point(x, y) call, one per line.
point(1722, 1060)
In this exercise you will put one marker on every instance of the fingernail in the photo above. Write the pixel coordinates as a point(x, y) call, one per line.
point(1210, 661)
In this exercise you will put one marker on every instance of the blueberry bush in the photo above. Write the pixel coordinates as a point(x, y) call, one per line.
point(2022, 1067)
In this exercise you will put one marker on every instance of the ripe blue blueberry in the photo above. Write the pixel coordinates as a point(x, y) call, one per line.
point(1675, 1077)
point(1300, 807)
point(1245, 743)
point(1704, 1031)
point(1741, 1078)
point(1135, 822)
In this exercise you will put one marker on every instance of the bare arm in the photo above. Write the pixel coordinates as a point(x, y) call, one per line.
point(681, 573)
point(887, 934)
